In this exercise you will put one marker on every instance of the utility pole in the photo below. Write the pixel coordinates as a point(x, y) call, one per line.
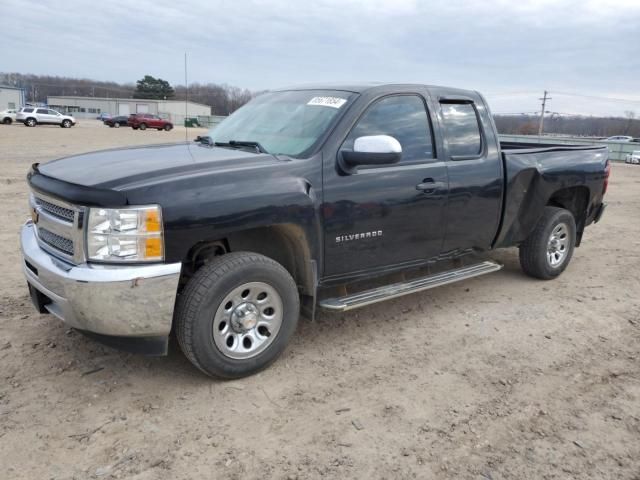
point(544, 104)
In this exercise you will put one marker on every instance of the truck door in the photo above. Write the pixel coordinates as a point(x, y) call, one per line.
point(475, 173)
point(383, 216)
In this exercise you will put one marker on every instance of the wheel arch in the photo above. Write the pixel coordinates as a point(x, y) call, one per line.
point(286, 243)
point(574, 199)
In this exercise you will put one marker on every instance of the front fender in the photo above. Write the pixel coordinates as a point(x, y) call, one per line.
point(212, 212)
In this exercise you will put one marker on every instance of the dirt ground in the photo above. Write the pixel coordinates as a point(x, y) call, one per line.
point(500, 377)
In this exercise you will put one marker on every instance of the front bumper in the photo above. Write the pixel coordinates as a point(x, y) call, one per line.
point(115, 301)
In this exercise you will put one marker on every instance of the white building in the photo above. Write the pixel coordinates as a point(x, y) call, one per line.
point(90, 107)
point(11, 97)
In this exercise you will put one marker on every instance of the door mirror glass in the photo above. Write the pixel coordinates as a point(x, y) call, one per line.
point(373, 150)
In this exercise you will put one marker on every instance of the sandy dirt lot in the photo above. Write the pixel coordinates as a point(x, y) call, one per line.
point(500, 377)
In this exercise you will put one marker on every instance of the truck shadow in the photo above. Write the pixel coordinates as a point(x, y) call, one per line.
point(312, 339)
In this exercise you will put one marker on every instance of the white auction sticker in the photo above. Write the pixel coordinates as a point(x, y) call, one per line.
point(335, 102)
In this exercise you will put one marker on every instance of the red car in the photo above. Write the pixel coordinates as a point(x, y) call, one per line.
point(143, 121)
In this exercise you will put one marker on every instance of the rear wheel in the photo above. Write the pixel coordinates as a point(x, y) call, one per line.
point(116, 125)
point(168, 127)
point(30, 122)
point(7, 121)
point(143, 126)
point(547, 251)
point(236, 314)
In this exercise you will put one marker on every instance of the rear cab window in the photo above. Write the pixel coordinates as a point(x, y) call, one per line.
point(462, 130)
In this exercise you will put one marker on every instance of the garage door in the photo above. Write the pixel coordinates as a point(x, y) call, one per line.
point(142, 108)
point(123, 109)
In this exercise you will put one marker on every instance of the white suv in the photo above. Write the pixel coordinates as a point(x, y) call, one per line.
point(32, 116)
point(8, 116)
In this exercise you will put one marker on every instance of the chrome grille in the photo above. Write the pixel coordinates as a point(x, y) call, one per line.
point(56, 210)
point(58, 226)
point(58, 242)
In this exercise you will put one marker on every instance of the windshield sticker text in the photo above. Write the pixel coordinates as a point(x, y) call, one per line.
point(334, 102)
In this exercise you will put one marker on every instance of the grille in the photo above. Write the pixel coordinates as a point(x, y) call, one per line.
point(56, 210)
point(56, 241)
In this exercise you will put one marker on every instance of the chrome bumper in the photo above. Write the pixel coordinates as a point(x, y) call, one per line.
point(126, 301)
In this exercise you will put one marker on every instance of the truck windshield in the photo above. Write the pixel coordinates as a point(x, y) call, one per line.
point(287, 123)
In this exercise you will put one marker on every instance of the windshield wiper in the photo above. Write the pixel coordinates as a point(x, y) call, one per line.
point(239, 144)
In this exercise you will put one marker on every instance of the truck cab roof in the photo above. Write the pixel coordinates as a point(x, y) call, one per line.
point(373, 86)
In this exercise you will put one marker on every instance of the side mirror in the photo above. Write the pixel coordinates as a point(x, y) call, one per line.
point(204, 140)
point(372, 150)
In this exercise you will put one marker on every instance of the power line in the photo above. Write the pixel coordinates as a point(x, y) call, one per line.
point(613, 99)
point(595, 97)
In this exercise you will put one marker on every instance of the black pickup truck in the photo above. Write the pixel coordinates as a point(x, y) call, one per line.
point(331, 197)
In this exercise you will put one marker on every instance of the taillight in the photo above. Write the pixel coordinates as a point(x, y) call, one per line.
point(607, 173)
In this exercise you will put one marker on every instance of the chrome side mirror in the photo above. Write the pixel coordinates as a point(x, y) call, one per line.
point(372, 150)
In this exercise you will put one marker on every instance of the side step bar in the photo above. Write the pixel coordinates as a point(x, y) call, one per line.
point(386, 292)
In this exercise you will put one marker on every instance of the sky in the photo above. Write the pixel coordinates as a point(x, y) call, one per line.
point(586, 53)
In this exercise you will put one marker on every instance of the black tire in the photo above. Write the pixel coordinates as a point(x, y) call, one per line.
point(534, 252)
point(203, 296)
point(167, 127)
point(135, 128)
point(142, 126)
point(30, 122)
point(7, 120)
point(116, 125)
point(66, 124)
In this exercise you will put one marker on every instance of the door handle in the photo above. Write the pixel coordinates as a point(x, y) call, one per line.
point(429, 186)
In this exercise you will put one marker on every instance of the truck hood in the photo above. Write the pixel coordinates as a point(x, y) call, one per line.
point(119, 168)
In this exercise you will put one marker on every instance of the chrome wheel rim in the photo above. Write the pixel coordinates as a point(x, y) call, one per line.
point(247, 320)
point(558, 245)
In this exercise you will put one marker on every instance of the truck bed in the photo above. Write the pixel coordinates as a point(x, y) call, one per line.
point(509, 147)
point(534, 172)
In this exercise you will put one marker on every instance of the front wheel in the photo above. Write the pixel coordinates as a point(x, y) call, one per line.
point(167, 127)
point(116, 125)
point(236, 315)
point(30, 122)
point(547, 251)
point(143, 126)
point(7, 121)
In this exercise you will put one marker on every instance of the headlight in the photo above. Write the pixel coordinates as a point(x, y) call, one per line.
point(125, 234)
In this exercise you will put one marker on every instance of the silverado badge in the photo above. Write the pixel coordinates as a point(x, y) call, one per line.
point(358, 236)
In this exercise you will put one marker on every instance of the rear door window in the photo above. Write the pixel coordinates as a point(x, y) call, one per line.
point(43, 111)
point(462, 130)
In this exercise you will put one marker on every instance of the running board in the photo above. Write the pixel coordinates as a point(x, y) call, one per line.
point(386, 292)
